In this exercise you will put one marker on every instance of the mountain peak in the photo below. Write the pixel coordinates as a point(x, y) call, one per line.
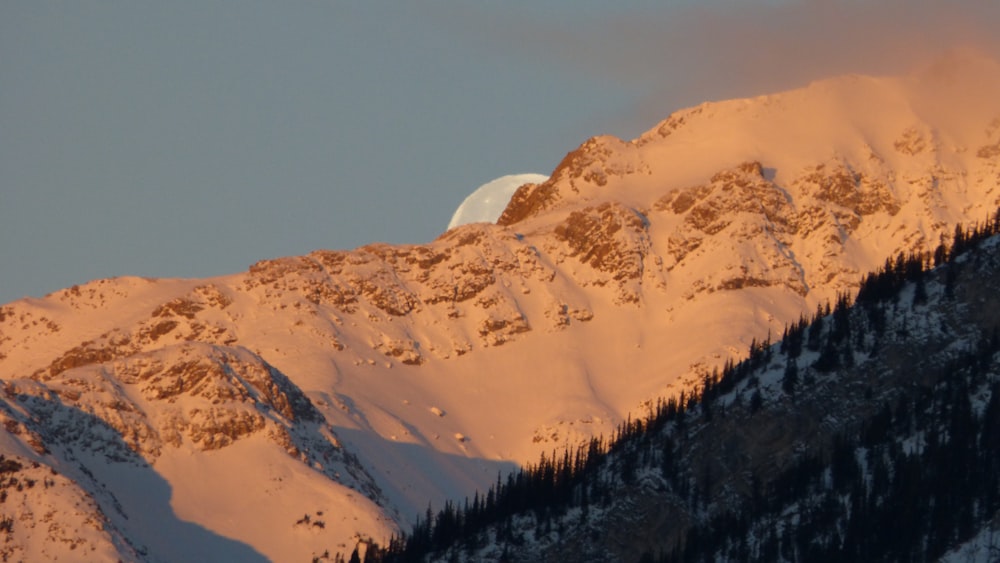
point(373, 381)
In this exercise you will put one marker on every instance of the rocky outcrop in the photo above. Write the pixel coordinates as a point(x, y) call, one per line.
point(527, 201)
point(137, 404)
point(593, 163)
point(64, 518)
point(612, 240)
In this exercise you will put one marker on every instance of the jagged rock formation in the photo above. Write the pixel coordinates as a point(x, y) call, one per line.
point(632, 272)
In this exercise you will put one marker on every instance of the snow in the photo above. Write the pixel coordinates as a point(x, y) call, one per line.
point(486, 204)
point(480, 403)
point(250, 493)
point(983, 548)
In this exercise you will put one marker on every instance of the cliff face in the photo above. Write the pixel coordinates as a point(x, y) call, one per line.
point(396, 375)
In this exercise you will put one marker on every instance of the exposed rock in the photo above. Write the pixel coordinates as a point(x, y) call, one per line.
point(529, 200)
point(851, 190)
point(407, 351)
point(912, 142)
point(613, 240)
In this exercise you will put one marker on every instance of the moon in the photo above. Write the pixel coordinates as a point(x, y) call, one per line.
point(486, 204)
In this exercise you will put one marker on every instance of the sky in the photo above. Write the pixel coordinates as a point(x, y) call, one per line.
point(193, 138)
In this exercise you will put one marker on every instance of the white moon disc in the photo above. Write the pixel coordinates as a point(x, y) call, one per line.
point(486, 204)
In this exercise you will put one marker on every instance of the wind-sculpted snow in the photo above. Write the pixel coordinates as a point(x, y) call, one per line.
point(637, 268)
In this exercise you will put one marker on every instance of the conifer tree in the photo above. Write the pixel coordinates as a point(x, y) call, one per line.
point(791, 377)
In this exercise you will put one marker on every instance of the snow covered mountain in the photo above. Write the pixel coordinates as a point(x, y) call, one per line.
point(290, 410)
point(868, 434)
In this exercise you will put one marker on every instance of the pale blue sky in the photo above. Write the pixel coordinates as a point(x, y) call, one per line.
point(194, 137)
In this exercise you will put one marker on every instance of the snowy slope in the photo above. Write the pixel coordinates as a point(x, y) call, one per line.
point(364, 384)
point(868, 435)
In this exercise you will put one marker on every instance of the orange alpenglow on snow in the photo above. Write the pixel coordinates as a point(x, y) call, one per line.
point(355, 387)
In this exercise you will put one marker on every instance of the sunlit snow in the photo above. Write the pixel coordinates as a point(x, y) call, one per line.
point(575, 358)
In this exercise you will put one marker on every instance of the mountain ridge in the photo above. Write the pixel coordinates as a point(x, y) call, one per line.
point(755, 465)
point(598, 287)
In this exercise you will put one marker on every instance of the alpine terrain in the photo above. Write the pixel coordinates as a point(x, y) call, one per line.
point(301, 408)
point(868, 434)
